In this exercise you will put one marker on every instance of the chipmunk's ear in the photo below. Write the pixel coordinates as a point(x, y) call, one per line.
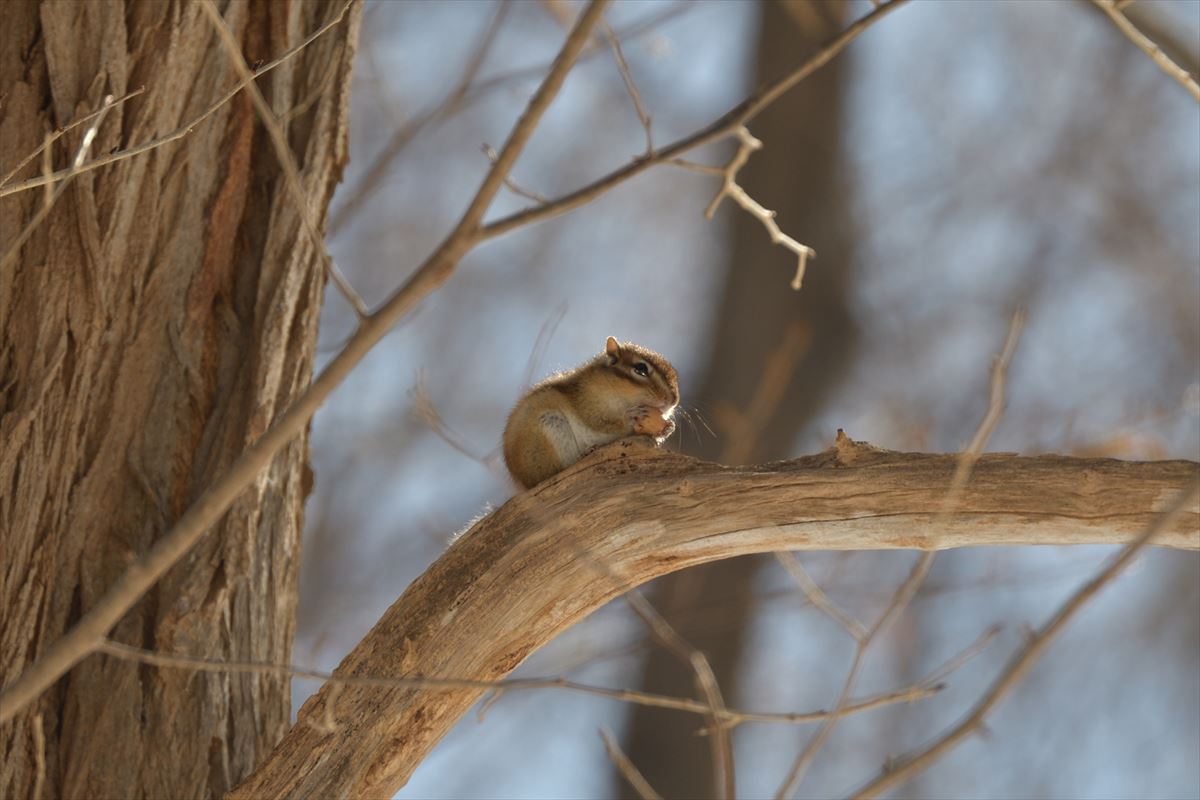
point(613, 350)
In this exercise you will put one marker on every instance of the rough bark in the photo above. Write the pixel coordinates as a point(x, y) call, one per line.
point(798, 174)
point(550, 556)
point(151, 327)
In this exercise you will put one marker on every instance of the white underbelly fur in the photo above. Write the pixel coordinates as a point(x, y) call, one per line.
point(573, 444)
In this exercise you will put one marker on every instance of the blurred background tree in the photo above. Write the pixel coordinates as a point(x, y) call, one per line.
point(774, 357)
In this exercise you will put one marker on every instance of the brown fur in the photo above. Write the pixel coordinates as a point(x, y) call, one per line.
point(600, 401)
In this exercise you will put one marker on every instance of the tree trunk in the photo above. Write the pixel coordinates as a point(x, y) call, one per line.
point(809, 335)
point(153, 325)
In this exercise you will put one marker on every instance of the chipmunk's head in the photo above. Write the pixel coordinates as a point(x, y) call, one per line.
point(646, 370)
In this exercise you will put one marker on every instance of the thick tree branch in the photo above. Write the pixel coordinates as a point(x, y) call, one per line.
point(517, 579)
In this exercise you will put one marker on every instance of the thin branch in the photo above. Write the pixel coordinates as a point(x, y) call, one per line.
point(991, 418)
point(703, 169)
point(1164, 62)
point(376, 172)
point(479, 54)
point(898, 603)
point(283, 154)
point(728, 717)
point(54, 137)
point(730, 188)
point(920, 570)
point(706, 681)
point(928, 685)
point(309, 100)
point(743, 428)
point(628, 771)
point(977, 647)
point(630, 87)
point(85, 145)
point(902, 769)
point(818, 598)
point(95, 624)
point(724, 126)
point(178, 133)
point(512, 185)
point(426, 410)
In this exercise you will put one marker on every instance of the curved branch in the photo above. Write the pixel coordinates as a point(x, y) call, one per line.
point(533, 568)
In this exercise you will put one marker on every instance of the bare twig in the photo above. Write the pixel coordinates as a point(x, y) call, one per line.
point(426, 410)
point(1164, 62)
point(818, 598)
point(730, 188)
point(724, 126)
point(283, 154)
point(703, 169)
point(706, 681)
point(899, 601)
point(991, 418)
point(924, 563)
point(85, 145)
point(631, 87)
point(178, 133)
point(309, 100)
point(743, 428)
point(512, 185)
point(899, 770)
point(54, 137)
point(912, 693)
point(728, 717)
point(628, 771)
point(377, 171)
point(87, 634)
point(977, 647)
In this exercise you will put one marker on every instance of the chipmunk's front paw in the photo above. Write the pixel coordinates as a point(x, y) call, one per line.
point(649, 422)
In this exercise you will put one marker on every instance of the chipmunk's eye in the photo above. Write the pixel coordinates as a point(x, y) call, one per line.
point(641, 368)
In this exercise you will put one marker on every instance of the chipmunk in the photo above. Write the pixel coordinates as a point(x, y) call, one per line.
point(625, 391)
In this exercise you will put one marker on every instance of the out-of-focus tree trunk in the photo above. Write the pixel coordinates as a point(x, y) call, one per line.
point(797, 174)
point(154, 324)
